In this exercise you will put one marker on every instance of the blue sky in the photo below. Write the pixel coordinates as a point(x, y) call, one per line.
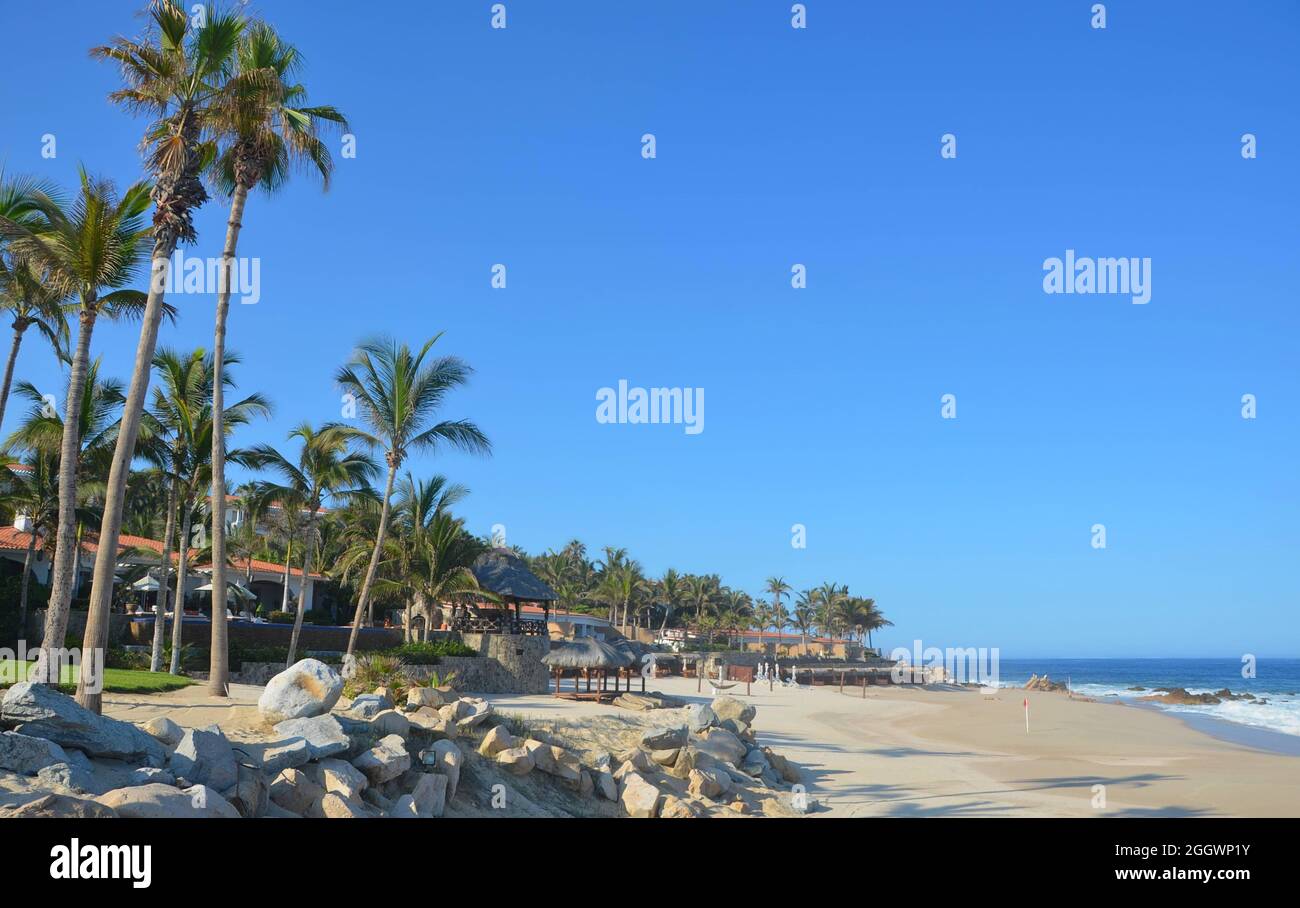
point(778, 146)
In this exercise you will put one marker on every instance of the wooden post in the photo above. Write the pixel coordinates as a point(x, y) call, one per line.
point(746, 688)
point(864, 687)
point(841, 682)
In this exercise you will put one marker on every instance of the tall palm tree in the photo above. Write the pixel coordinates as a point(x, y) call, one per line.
point(173, 74)
point(324, 470)
point(181, 415)
point(805, 616)
point(397, 393)
point(671, 591)
point(266, 131)
point(24, 292)
point(88, 252)
point(776, 587)
point(829, 597)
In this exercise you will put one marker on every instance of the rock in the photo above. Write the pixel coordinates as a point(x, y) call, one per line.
point(445, 757)
point(164, 730)
point(676, 808)
point(639, 797)
point(709, 783)
point(305, 689)
point(427, 720)
point(778, 807)
point(1037, 683)
point(165, 802)
point(295, 791)
point(700, 716)
point(647, 701)
point(338, 808)
point(516, 760)
point(456, 710)
point(664, 738)
point(736, 727)
point(404, 808)
point(275, 812)
point(376, 799)
point(324, 735)
point(391, 722)
point(638, 758)
point(497, 740)
point(383, 691)
point(722, 745)
point(28, 755)
point(586, 785)
point(755, 763)
point(730, 708)
point(76, 779)
point(367, 706)
point(250, 795)
point(478, 711)
point(787, 770)
point(435, 697)
point(148, 775)
point(277, 755)
point(43, 712)
point(1181, 696)
point(542, 754)
point(665, 757)
point(340, 777)
point(386, 760)
point(205, 757)
point(738, 806)
point(606, 787)
point(58, 806)
point(430, 794)
point(556, 761)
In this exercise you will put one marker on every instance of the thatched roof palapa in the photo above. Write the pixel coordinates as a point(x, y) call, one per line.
point(503, 572)
point(586, 652)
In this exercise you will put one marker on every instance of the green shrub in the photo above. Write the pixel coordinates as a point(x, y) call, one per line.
point(379, 670)
point(278, 617)
point(429, 653)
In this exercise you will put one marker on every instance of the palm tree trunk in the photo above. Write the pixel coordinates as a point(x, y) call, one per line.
point(364, 598)
point(182, 566)
point(218, 672)
point(27, 576)
point(165, 569)
point(56, 615)
point(9, 368)
point(302, 601)
point(284, 593)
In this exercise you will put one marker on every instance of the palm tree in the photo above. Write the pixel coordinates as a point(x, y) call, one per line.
point(805, 615)
point(34, 493)
point(829, 597)
point(24, 293)
point(173, 74)
point(324, 470)
point(776, 587)
point(88, 252)
point(182, 416)
point(397, 394)
point(671, 591)
point(266, 130)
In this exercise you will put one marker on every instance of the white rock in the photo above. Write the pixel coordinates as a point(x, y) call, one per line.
point(303, 690)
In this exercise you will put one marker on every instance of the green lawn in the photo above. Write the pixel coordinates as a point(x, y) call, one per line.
point(116, 680)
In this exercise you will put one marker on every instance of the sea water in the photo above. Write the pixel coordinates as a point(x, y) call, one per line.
point(1276, 681)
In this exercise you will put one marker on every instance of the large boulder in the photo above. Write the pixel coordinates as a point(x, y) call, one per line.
point(27, 755)
point(677, 808)
point(516, 761)
point(43, 712)
point(250, 795)
point(730, 708)
point(386, 760)
point(70, 777)
point(391, 722)
point(277, 755)
point(305, 689)
point(164, 730)
point(325, 735)
point(700, 716)
point(430, 794)
point(497, 740)
point(339, 808)
point(367, 706)
point(167, 802)
point(295, 791)
point(205, 757)
point(709, 783)
point(640, 798)
point(57, 806)
point(339, 777)
point(435, 697)
point(722, 745)
point(445, 757)
point(666, 738)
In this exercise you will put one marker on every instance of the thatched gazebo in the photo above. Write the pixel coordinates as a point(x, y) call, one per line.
point(504, 573)
point(587, 657)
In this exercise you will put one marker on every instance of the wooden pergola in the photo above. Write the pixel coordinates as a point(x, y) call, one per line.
point(591, 660)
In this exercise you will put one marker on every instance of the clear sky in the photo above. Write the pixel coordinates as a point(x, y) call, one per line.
point(778, 146)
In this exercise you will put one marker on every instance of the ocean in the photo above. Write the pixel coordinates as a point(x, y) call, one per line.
point(1276, 681)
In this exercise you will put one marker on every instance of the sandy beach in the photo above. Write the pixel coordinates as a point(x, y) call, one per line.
point(914, 751)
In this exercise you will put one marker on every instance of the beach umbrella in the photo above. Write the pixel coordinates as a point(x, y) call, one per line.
point(146, 584)
point(232, 587)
